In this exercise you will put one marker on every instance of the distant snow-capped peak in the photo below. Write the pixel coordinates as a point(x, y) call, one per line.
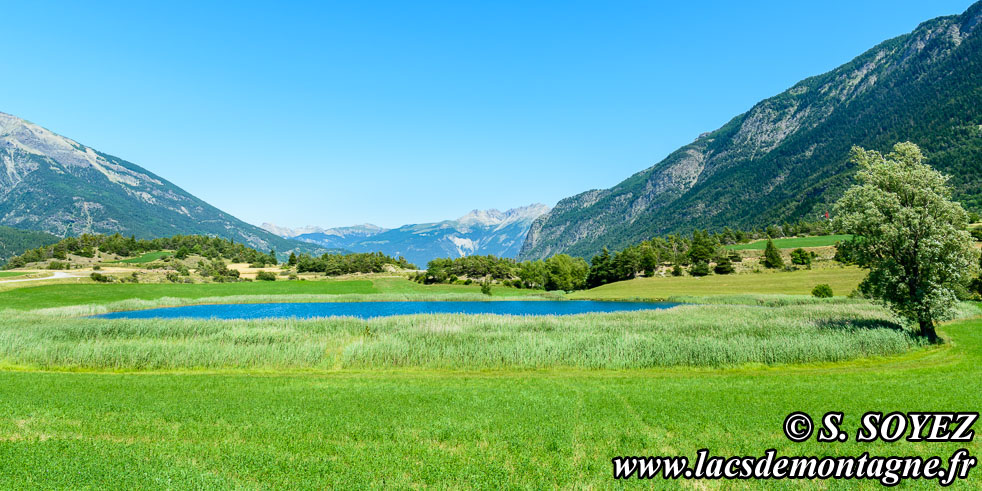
point(494, 217)
point(363, 230)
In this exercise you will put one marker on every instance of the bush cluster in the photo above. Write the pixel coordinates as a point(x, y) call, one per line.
point(333, 264)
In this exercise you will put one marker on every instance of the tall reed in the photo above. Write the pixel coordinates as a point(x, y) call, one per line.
point(692, 335)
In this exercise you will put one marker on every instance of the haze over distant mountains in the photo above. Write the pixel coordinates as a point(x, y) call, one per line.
point(478, 232)
point(54, 184)
point(787, 157)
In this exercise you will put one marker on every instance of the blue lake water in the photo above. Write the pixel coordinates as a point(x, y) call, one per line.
point(366, 310)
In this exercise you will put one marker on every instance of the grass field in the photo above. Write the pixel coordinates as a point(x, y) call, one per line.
point(842, 280)
point(11, 274)
point(792, 243)
point(413, 428)
point(146, 258)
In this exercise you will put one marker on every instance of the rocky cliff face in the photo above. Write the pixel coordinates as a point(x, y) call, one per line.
point(787, 157)
point(500, 233)
point(54, 184)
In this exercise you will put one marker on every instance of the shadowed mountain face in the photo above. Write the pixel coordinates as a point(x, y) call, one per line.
point(787, 158)
point(54, 184)
point(479, 232)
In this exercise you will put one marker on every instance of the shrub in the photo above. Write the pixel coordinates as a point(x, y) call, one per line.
point(723, 266)
point(58, 265)
point(486, 288)
point(677, 270)
point(265, 276)
point(801, 257)
point(96, 267)
point(772, 256)
point(292, 277)
point(699, 269)
point(822, 291)
point(101, 278)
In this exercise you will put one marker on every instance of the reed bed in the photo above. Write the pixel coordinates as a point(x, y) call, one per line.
point(689, 336)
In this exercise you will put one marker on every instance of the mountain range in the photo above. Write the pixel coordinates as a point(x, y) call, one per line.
point(787, 157)
point(53, 184)
point(478, 232)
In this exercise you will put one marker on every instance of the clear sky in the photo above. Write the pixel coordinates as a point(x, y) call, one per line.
point(336, 113)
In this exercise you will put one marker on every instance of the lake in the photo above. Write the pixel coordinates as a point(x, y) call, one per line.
point(367, 310)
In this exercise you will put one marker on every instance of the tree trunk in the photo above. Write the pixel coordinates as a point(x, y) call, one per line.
point(927, 330)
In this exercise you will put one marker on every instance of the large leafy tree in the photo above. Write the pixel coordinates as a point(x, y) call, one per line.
point(908, 233)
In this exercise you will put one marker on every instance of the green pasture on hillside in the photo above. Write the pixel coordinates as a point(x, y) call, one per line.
point(792, 242)
point(842, 279)
point(146, 258)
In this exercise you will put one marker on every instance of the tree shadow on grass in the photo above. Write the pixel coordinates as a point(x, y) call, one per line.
point(871, 324)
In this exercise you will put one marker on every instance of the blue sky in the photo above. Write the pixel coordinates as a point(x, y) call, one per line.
point(336, 113)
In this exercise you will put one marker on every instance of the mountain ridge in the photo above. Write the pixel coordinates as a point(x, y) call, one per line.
point(51, 183)
point(500, 233)
point(787, 157)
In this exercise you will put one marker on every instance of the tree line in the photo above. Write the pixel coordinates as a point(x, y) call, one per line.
point(700, 254)
point(88, 245)
point(334, 264)
point(559, 272)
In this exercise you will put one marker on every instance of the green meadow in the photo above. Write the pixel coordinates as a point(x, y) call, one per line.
point(10, 274)
point(843, 280)
point(792, 242)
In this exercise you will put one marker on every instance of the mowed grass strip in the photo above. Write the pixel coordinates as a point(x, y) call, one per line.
point(415, 429)
point(690, 335)
point(47, 296)
point(146, 258)
point(842, 280)
point(792, 242)
point(10, 274)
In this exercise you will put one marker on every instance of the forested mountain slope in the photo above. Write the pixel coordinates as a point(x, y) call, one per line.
point(787, 158)
point(15, 241)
